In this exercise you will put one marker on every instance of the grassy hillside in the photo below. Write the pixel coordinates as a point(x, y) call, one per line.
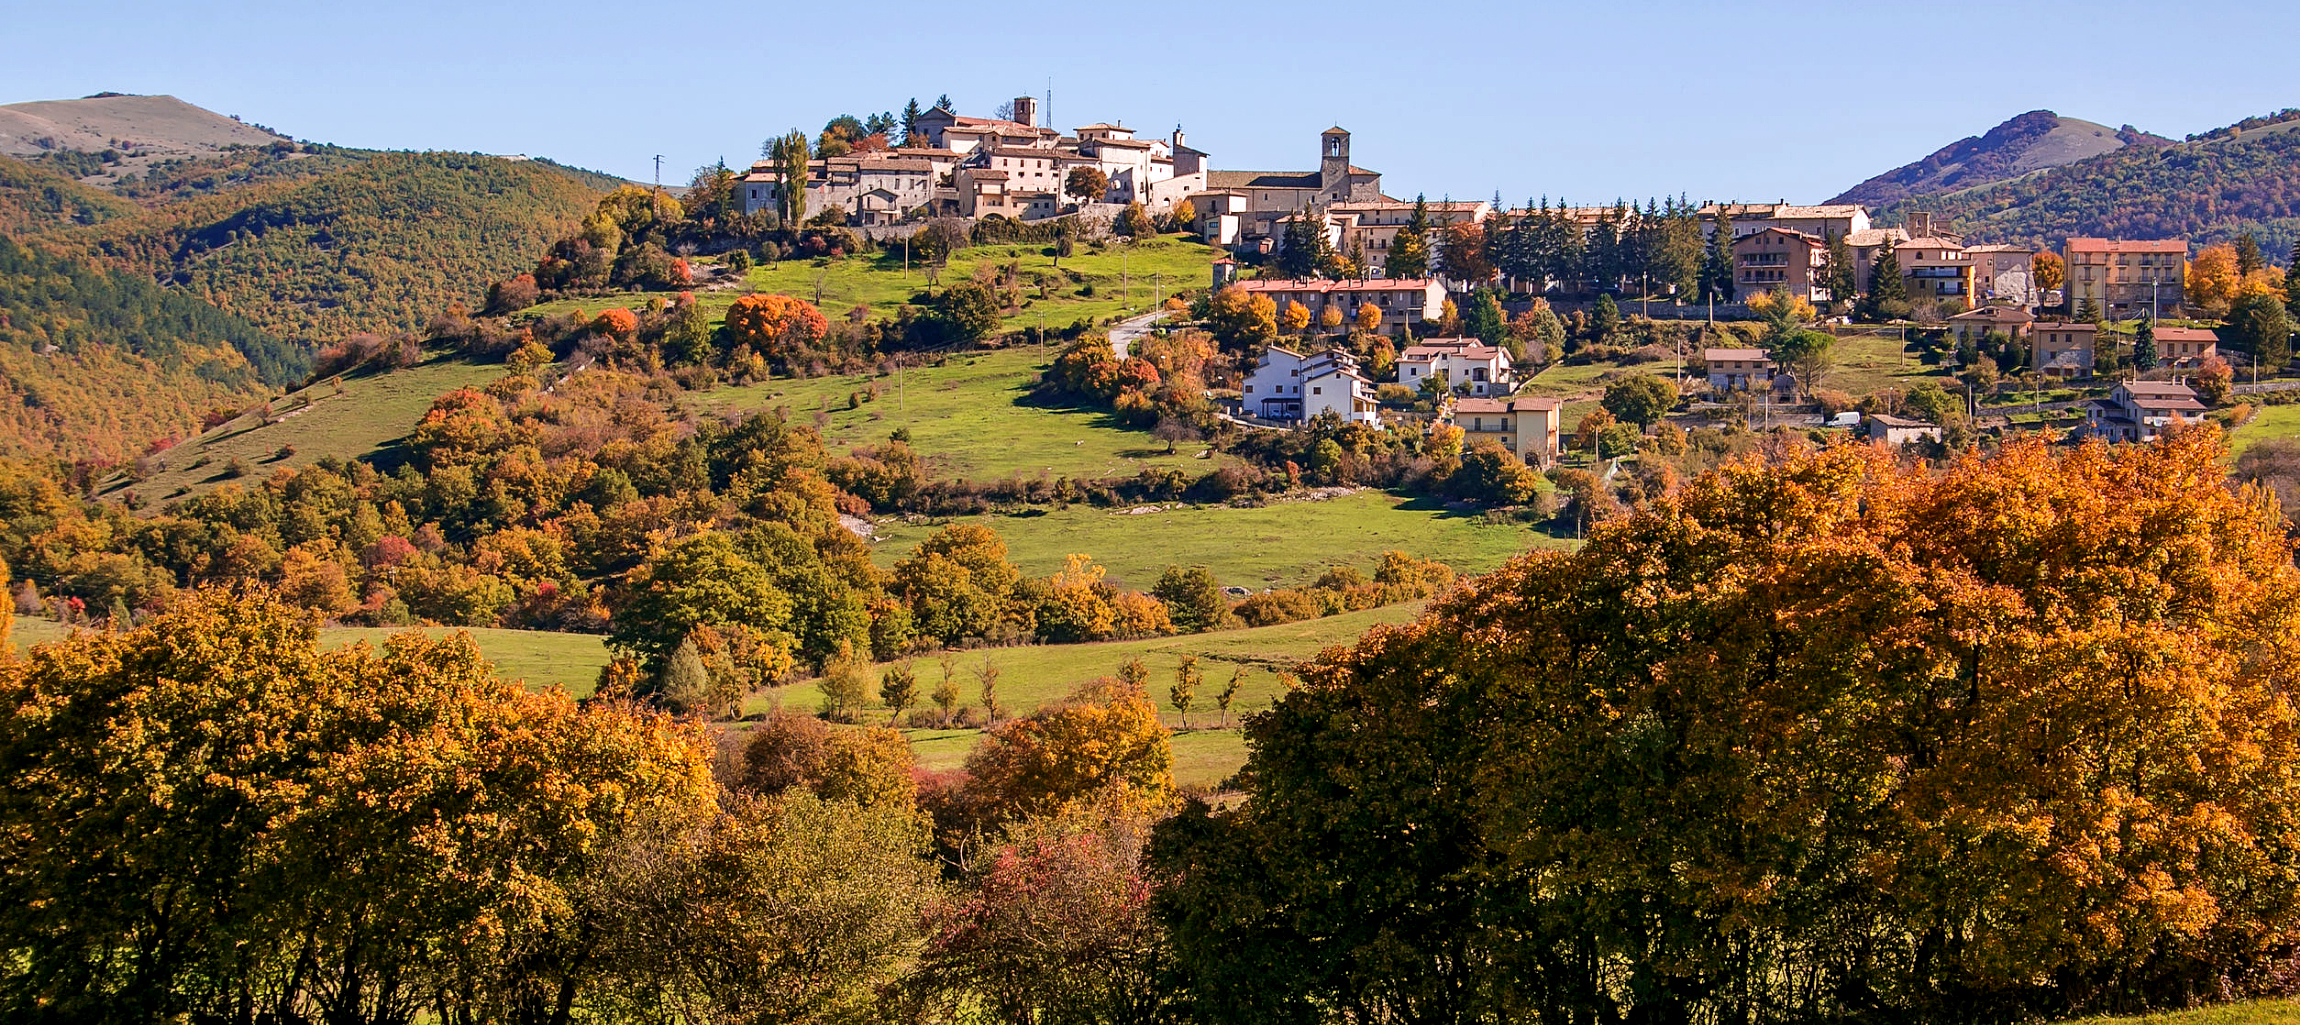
point(378, 245)
point(2262, 1012)
point(2215, 187)
point(969, 417)
point(1034, 676)
point(1283, 544)
point(318, 422)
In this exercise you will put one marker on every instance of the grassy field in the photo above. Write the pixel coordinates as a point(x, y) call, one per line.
point(1147, 271)
point(372, 411)
point(535, 658)
point(1030, 677)
point(1283, 544)
point(2267, 422)
point(2263, 1012)
point(969, 418)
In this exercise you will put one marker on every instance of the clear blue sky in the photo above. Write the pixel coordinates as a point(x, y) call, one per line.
point(1752, 100)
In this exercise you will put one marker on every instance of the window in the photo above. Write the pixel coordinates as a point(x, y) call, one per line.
point(1317, 391)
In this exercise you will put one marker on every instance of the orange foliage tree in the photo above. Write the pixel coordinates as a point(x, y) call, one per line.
point(773, 324)
point(1835, 737)
point(2212, 278)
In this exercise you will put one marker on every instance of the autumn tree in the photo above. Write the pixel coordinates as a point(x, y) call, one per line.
point(1242, 320)
point(1369, 318)
point(2212, 279)
point(1134, 222)
point(1228, 695)
point(957, 582)
point(210, 816)
point(1184, 693)
point(1588, 760)
point(1409, 255)
point(1100, 739)
point(1330, 318)
point(776, 325)
point(1462, 253)
point(2048, 271)
point(1086, 184)
point(1295, 318)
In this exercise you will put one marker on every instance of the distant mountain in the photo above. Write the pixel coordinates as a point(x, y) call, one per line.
point(2031, 142)
point(194, 261)
point(2210, 188)
point(138, 130)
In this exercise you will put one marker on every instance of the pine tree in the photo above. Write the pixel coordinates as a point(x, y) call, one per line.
point(910, 113)
point(1409, 252)
point(1606, 321)
point(1888, 294)
point(2144, 344)
point(1485, 320)
point(1841, 280)
point(2248, 258)
point(1717, 262)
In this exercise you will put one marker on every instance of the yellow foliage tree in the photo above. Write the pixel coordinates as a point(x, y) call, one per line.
point(1295, 319)
point(1369, 317)
point(2212, 279)
point(1331, 318)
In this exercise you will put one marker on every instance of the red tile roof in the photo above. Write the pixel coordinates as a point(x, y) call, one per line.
point(2102, 245)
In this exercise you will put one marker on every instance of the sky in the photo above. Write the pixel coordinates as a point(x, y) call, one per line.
point(1752, 100)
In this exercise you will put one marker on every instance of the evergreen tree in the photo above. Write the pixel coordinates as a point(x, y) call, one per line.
point(789, 154)
point(1888, 294)
point(1410, 251)
point(2088, 311)
point(2248, 258)
point(2144, 344)
point(1606, 321)
point(1840, 278)
point(910, 113)
point(1717, 263)
point(1303, 249)
point(1485, 320)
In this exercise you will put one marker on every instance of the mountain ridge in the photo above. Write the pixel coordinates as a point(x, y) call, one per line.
point(2021, 145)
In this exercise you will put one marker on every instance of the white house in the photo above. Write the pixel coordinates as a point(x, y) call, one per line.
point(1485, 369)
point(1287, 385)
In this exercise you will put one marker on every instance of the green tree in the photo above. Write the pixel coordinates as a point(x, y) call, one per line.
point(1485, 320)
point(705, 580)
point(1184, 693)
point(1841, 276)
point(970, 310)
point(2259, 324)
point(1717, 262)
point(2292, 280)
point(1409, 255)
point(1192, 598)
point(1806, 354)
point(2144, 344)
point(1641, 399)
point(1605, 323)
point(1888, 295)
point(911, 136)
point(898, 689)
point(2248, 258)
point(845, 685)
point(789, 156)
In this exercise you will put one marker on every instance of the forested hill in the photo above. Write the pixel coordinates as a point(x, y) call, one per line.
point(2030, 142)
point(34, 198)
point(379, 245)
point(2243, 178)
point(99, 364)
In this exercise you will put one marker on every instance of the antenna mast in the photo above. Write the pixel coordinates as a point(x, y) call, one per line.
point(658, 172)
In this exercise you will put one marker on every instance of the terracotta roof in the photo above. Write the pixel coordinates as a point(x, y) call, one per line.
point(978, 174)
point(1800, 236)
point(2159, 389)
point(1515, 404)
point(1123, 143)
point(2185, 334)
point(1999, 248)
point(2080, 328)
point(1931, 242)
point(1101, 126)
point(1735, 354)
point(2102, 245)
point(1424, 350)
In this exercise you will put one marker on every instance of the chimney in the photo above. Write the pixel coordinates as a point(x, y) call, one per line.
point(1177, 136)
point(1026, 110)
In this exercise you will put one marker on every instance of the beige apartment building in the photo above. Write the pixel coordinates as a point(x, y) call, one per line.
point(2126, 277)
point(1780, 260)
point(1525, 425)
point(2064, 350)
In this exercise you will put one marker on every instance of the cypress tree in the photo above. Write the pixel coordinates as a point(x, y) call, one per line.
point(910, 114)
point(2144, 344)
point(1717, 261)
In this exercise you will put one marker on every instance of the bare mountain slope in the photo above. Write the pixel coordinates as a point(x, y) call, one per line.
point(98, 123)
point(2033, 141)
